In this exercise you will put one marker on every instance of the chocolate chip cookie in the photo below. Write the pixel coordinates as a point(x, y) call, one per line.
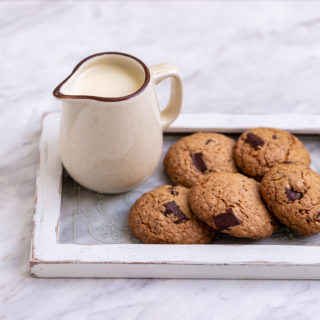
point(260, 149)
point(231, 203)
point(292, 193)
point(163, 216)
point(195, 156)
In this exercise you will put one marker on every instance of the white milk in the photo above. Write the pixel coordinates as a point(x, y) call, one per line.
point(109, 79)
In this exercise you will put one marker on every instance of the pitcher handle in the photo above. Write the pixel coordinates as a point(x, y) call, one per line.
point(160, 72)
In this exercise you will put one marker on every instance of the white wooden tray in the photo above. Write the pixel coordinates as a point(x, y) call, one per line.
point(295, 258)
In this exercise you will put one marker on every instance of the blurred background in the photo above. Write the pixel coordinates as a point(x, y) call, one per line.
point(235, 57)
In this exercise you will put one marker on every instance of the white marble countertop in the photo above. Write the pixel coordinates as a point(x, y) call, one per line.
point(236, 57)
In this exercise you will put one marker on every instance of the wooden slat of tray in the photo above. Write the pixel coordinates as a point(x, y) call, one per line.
point(237, 123)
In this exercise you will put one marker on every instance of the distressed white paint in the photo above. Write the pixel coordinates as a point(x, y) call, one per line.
point(52, 259)
point(236, 123)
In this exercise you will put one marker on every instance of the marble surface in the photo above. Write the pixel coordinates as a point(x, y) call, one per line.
point(249, 57)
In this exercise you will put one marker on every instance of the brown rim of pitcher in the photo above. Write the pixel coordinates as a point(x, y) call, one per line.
point(58, 94)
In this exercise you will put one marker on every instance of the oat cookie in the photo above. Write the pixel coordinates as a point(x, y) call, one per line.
point(195, 156)
point(260, 149)
point(231, 203)
point(292, 193)
point(163, 216)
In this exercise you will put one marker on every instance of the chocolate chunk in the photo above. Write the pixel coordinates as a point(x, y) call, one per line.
point(226, 220)
point(210, 141)
point(287, 162)
point(309, 219)
point(173, 190)
point(254, 140)
point(173, 209)
point(293, 195)
point(274, 137)
point(318, 216)
point(198, 161)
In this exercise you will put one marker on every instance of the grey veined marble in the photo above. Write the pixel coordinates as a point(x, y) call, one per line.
point(235, 56)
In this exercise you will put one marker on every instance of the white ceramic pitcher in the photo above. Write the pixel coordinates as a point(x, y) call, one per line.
point(111, 145)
